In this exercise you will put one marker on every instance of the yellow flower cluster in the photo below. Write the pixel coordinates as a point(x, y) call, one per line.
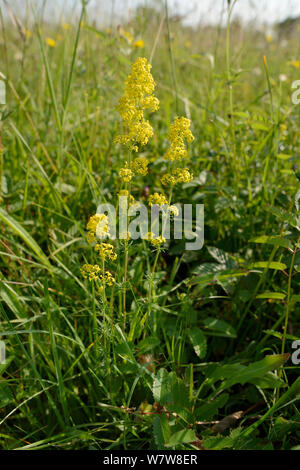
point(90, 271)
point(126, 174)
point(179, 132)
point(161, 200)
point(158, 199)
point(178, 175)
point(106, 251)
point(138, 97)
point(156, 241)
point(97, 227)
point(107, 279)
point(140, 166)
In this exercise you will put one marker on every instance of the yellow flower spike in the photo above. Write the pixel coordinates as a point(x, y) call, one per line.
point(51, 42)
point(178, 133)
point(138, 97)
point(97, 227)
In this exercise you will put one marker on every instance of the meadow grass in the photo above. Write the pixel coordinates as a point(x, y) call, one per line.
point(195, 354)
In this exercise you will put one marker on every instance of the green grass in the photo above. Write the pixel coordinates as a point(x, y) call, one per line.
point(212, 337)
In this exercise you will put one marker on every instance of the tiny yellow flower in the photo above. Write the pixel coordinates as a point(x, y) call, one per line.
point(106, 251)
point(90, 271)
point(294, 63)
point(139, 44)
point(127, 35)
point(67, 26)
point(155, 241)
point(269, 38)
point(51, 42)
point(28, 33)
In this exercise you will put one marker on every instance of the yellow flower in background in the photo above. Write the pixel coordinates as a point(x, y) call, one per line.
point(59, 37)
point(269, 38)
point(28, 33)
point(294, 63)
point(178, 133)
point(108, 31)
point(138, 96)
point(51, 42)
point(126, 35)
point(139, 44)
point(67, 26)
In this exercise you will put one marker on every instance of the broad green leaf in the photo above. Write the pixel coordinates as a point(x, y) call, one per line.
point(275, 241)
point(161, 387)
point(284, 216)
point(217, 327)
point(217, 442)
point(256, 369)
point(283, 156)
point(198, 341)
point(148, 344)
point(161, 430)
point(181, 437)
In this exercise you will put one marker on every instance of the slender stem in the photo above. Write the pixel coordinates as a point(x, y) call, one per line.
point(289, 297)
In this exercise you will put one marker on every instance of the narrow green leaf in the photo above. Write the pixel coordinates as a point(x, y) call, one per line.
point(271, 295)
point(21, 232)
